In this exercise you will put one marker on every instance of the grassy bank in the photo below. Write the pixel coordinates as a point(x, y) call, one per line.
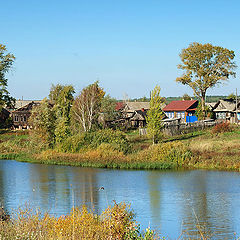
point(202, 149)
point(216, 151)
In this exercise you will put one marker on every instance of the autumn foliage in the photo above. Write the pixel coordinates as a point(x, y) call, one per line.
point(116, 222)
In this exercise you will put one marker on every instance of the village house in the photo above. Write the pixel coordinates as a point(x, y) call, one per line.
point(22, 103)
point(184, 110)
point(135, 113)
point(21, 115)
point(225, 109)
point(132, 114)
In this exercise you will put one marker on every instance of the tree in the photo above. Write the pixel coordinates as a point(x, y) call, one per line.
point(155, 115)
point(43, 121)
point(6, 61)
point(62, 97)
point(86, 107)
point(51, 120)
point(108, 108)
point(55, 92)
point(231, 96)
point(186, 97)
point(204, 66)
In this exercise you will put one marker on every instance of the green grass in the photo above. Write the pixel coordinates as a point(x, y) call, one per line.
point(200, 149)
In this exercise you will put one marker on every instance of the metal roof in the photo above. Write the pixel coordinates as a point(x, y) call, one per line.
point(183, 105)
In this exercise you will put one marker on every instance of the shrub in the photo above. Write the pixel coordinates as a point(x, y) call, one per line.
point(221, 128)
point(171, 154)
point(93, 140)
point(116, 222)
point(73, 144)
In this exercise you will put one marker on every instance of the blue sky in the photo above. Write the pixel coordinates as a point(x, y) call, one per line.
point(129, 46)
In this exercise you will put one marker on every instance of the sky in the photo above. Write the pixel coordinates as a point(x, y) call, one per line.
point(129, 46)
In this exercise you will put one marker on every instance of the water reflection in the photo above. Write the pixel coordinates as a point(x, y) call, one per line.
point(172, 202)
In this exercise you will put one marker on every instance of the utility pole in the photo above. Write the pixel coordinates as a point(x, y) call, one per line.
point(236, 107)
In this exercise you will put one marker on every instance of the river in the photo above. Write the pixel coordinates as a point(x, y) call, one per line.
point(170, 202)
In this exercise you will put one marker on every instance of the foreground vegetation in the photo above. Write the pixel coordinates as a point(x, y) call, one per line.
point(209, 149)
point(116, 222)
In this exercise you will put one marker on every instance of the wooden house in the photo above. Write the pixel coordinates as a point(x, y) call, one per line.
point(136, 112)
point(21, 115)
point(184, 109)
point(138, 118)
point(130, 107)
point(225, 109)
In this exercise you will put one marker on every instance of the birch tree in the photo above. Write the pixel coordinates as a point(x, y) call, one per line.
point(86, 107)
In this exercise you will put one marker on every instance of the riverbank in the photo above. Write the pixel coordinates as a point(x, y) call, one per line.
point(201, 149)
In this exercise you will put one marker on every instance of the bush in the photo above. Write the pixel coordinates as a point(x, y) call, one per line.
point(221, 128)
point(116, 222)
point(73, 144)
point(170, 155)
point(93, 140)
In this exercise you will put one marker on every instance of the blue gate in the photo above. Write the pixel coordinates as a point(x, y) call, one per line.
point(190, 119)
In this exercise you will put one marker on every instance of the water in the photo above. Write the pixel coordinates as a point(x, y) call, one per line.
point(170, 202)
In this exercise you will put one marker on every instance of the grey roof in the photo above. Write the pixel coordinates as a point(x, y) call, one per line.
point(22, 103)
point(225, 105)
point(134, 106)
point(211, 105)
point(139, 115)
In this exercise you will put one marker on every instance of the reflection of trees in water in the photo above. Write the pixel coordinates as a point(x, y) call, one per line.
point(2, 197)
point(203, 212)
point(61, 187)
point(85, 188)
point(154, 194)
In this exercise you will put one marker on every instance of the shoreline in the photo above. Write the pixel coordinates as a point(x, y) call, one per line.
point(198, 150)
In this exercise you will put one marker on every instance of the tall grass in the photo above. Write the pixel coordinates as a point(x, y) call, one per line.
point(159, 156)
point(205, 150)
point(116, 222)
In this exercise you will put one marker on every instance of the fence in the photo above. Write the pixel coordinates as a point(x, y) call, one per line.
point(181, 128)
point(177, 128)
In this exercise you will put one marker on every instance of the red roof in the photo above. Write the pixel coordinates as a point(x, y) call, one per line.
point(183, 105)
point(119, 105)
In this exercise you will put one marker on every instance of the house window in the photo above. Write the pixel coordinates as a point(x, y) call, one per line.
point(24, 118)
point(221, 115)
point(16, 118)
point(178, 114)
point(182, 115)
point(170, 114)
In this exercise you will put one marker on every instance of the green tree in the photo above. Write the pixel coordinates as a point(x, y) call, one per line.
point(55, 92)
point(108, 108)
point(155, 115)
point(6, 61)
point(186, 97)
point(231, 96)
point(86, 107)
point(42, 120)
point(62, 97)
point(204, 66)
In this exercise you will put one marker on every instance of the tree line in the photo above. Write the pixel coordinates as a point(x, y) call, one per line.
point(60, 115)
